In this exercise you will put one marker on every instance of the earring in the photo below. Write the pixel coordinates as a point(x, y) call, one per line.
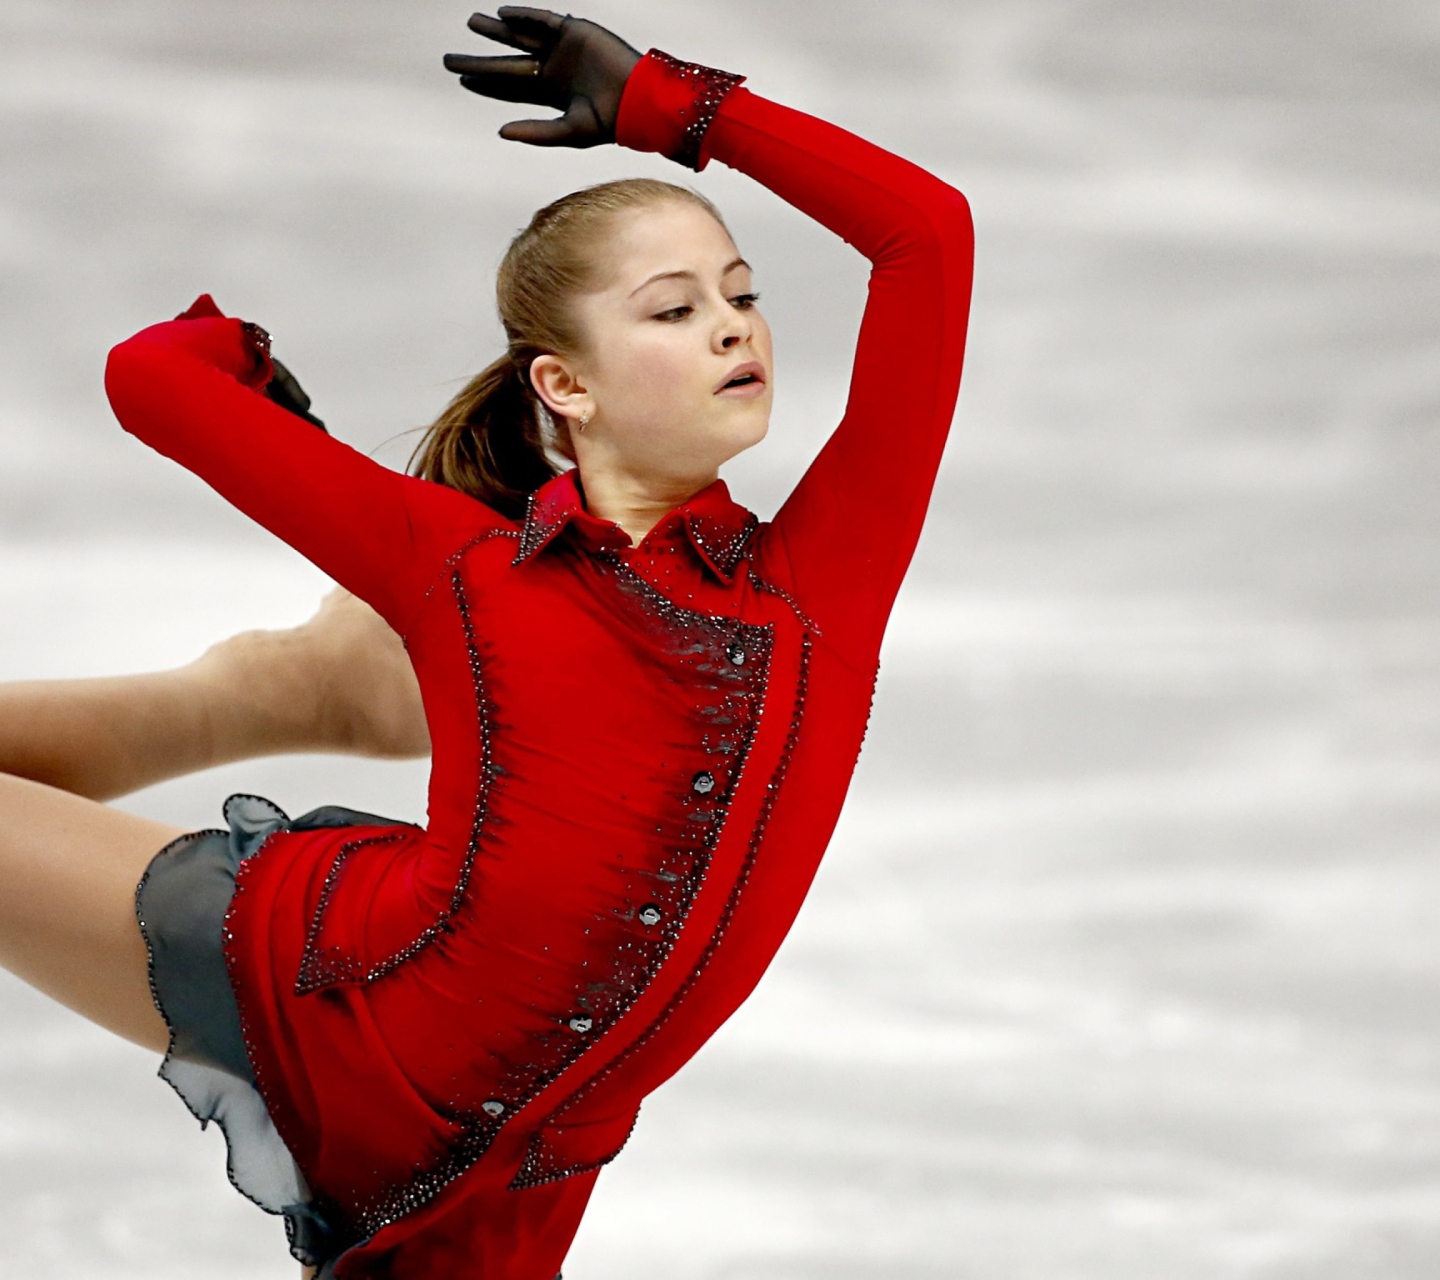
point(584, 420)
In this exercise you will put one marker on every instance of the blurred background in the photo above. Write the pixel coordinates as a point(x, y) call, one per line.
point(1124, 961)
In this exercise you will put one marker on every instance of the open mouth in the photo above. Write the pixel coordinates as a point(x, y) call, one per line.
point(747, 375)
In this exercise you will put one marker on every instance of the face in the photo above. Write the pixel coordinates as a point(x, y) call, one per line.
point(677, 369)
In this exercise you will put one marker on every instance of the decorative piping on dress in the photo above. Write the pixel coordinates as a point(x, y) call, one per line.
point(321, 967)
point(712, 643)
point(780, 593)
point(727, 638)
point(535, 1172)
point(327, 966)
point(454, 557)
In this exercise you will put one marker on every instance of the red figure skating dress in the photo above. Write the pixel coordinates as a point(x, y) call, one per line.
point(639, 752)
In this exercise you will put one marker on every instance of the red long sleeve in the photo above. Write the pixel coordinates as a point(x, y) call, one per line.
point(184, 388)
point(844, 539)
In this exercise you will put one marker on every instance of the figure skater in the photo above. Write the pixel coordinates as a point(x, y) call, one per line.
point(644, 706)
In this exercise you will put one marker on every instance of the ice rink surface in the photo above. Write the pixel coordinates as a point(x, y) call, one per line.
point(1124, 962)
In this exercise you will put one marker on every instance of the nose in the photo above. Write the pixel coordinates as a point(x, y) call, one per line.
point(734, 329)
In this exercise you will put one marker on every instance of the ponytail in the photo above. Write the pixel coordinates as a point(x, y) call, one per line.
point(491, 441)
point(488, 441)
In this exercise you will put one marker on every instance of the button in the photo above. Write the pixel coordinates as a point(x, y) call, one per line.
point(581, 1024)
point(736, 655)
point(650, 914)
point(493, 1108)
point(703, 783)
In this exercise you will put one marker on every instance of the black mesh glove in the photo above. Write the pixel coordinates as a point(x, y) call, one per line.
point(572, 65)
point(285, 391)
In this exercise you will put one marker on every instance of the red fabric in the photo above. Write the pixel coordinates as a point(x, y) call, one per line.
point(664, 99)
point(617, 732)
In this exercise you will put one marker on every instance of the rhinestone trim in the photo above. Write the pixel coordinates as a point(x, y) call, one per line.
point(535, 533)
point(539, 1167)
point(702, 639)
point(734, 699)
point(760, 584)
point(454, 558)
point(711, 87)
point(321, 966)
point(263, 1085)
point(724, 557)
point(258, 338)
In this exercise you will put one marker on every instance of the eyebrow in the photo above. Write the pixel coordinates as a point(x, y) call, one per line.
point(687, 275)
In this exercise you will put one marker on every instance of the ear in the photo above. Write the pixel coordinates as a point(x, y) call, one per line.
point(561, 387)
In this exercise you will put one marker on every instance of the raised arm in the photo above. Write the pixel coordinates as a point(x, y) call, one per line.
point(844, 539)
point(192, 389)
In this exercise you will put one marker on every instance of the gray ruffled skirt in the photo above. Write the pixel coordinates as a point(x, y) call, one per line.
point(181, 904)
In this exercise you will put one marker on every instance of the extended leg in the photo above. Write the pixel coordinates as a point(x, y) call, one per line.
point(340, 683)
point(68, 871)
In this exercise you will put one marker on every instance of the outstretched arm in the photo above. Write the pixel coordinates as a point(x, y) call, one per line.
point(193, 389)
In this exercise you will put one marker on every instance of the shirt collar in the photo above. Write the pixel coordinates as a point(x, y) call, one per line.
point(716, 527)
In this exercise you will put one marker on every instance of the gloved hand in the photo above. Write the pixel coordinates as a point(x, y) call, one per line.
point(287, 392)
point(570, 64)
point(283, 388)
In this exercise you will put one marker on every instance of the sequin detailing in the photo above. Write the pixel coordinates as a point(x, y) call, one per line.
point(711, 87)
point(769, 588)
point(539, 527)
point(722, 549)
point(323, 966)
point(729, 700)
point(729, 704)
point(258, 338)
point(541, 1165)
point(447, 570)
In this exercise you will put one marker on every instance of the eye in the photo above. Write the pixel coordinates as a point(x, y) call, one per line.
point(673, 314)
point(744, 301)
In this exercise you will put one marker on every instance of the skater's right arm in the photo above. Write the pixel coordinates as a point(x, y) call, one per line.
point(192, 389)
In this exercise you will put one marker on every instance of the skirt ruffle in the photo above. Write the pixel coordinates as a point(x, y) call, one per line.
point(181, 905)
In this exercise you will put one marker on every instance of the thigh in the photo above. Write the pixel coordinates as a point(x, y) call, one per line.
point(68, 872)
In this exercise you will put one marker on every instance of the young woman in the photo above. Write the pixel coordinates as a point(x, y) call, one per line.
point(644, 706)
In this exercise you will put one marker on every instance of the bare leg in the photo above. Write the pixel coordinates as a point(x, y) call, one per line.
point(69, 868)
point(340, 683)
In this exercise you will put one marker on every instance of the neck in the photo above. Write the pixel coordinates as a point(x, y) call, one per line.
point(637, 503)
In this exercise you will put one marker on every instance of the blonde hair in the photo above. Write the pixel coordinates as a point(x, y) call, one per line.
point(490, 442)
